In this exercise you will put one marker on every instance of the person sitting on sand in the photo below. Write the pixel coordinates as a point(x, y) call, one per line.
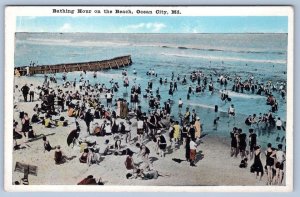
point(107, 150)
point(96, 129)
point(48, 122)
point(47, 146)
point(108, 129)
point(129, 163)
point(17, 134)
point(102, 129)
point(93, 157)
point(84, 157)
point(89, 180)
point(244, 163)
point(31, 133)
point(59, 157)
point(144, 153)
point(117, 142)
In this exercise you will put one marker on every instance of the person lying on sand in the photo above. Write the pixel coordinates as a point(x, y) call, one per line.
point(145, 175)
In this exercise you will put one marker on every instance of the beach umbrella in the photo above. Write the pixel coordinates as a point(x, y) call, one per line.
point(73, 135)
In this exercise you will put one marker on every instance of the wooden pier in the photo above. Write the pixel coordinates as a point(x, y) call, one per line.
point(114, 63)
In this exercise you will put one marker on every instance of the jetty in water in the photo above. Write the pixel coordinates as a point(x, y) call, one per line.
point(114, 63)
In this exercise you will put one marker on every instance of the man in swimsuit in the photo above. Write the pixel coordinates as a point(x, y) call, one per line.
point(280, 157)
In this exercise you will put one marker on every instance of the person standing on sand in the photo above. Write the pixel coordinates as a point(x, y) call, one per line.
point(234, 143)
point(140, 130)
point(25, 90)
point(176, 134)
point(193, 152)
point(252, 142)
point(128, 131)
point(191, 131)
point(187, 148)
point(31, 93)
point(257, 166)
point(88, 118)
point(161, 143)
point(280, 159)
point(242, 143)
point(197, 126)
point(270, 160)
point(25, 124)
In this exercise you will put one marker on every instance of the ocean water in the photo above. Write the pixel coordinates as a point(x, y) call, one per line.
point(263, 55)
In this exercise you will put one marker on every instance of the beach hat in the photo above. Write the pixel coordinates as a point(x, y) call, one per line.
point(106, 141)
point(158, 131)
point(198, 118)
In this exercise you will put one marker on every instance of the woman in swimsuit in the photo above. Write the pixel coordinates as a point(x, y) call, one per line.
point(270, 160)
point(233, 142)
point(25, 124)
point(257, 167)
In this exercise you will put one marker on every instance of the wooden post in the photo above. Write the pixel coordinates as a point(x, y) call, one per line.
point(65, 68)
point(122, 62)
point(117, 63)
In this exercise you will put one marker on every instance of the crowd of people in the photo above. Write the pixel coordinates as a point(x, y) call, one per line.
point(111, 117)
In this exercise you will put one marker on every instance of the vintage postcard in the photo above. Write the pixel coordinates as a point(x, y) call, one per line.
point(149, 98)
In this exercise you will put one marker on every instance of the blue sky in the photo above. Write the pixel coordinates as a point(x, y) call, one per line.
point(154, 24)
